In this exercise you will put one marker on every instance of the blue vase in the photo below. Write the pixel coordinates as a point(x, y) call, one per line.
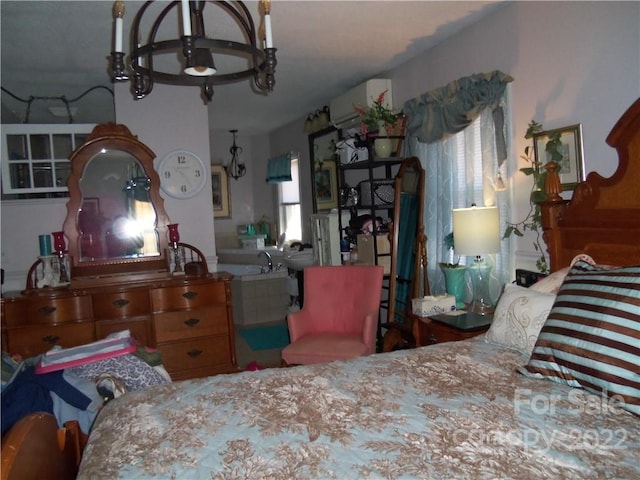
point(455, 284)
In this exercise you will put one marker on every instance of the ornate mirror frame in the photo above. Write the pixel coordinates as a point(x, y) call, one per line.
point(407, 242)
point(103, 138)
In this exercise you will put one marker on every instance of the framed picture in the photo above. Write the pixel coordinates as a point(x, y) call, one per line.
point(326, 186)
point(220, 190)
point(571, 165)
point(91, 206)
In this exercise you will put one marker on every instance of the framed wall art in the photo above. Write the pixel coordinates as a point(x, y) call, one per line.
point(220, 191)
point(572, 164)
point(326, 186)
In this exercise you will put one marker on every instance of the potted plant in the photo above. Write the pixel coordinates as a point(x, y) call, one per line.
point(454, 274)
point(532, 221)
point(383, 120)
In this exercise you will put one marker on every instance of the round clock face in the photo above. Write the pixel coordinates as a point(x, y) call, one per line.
point(182, 174)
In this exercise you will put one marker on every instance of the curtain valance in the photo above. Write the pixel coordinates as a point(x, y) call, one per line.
point(448, 110)
point(279, 169)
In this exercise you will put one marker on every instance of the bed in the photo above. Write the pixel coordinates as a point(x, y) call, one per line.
point(490, 407)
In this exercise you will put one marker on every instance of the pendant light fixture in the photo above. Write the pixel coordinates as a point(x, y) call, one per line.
point(235, 168)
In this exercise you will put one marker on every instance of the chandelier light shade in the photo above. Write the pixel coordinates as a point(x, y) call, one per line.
point(235, 168)
point(253, 58)
point(476, 232)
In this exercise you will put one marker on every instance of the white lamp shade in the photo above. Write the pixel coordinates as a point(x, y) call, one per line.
point(476, 230)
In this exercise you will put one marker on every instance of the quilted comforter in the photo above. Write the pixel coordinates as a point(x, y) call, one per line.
point(456, 410)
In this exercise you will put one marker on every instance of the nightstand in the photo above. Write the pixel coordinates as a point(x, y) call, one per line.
point(449, 327)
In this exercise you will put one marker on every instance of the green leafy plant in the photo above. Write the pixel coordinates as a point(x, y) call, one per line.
point(532, 221)
point(375, 114)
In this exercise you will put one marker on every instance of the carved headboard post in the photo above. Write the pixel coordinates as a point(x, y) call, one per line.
point(602, 219)
point(551, 211)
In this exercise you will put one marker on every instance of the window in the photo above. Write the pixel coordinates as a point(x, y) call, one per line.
point(35, 158)
point(289, 212)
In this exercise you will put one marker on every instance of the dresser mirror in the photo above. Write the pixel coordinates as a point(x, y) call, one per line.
point(407, 240)
point(116, 223)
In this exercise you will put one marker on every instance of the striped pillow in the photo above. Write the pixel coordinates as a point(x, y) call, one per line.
point(591, 338)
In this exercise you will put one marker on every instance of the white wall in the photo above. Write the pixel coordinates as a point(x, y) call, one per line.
point(251, 197)
point(169, 119)
point(572, 62)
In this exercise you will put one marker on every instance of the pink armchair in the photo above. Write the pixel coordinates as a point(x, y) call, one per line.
point(339, 317)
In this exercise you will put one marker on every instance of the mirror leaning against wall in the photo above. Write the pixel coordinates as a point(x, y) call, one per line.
point(408, 277)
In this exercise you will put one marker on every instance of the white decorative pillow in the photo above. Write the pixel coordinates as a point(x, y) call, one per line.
point(551, 283)
point(519, 317)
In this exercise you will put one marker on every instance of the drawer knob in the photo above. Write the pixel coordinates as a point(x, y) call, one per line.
point(190, 295)
point(194, 353)
point(50, 339)
point(432, 339)
point(192, 322)
point(47, 310)
point(121, 302)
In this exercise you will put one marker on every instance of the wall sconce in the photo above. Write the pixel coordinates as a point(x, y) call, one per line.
point(317, 121)
point(476, 231)
point(235, 168)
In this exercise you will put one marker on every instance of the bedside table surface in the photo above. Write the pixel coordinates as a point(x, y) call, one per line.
point(463, 321)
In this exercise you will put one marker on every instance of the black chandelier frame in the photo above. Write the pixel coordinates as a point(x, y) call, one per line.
point(262, 63)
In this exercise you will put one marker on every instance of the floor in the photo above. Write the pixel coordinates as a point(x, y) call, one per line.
point(265, 358)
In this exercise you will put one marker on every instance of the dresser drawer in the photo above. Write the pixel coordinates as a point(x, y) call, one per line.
point(121, 304)
point(198, 322)
point(43, 310)
point(188, 296)
point(36, 340)
point(195, 353)
point(138, 326)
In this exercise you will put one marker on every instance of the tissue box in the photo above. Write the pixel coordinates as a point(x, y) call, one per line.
point(433, 305)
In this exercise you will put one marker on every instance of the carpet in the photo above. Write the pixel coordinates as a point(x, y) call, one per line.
point(267, 337)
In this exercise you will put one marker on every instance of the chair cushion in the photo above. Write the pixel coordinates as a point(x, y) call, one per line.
point(323, 347)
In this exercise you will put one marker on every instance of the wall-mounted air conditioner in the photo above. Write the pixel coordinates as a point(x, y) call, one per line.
point(342, 112)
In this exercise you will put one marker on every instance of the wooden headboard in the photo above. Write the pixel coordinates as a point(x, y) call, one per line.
point(602, 218)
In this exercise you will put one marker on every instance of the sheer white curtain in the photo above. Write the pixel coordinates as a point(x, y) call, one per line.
point(460, 170)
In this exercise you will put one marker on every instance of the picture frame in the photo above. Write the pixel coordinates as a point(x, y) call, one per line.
point(571, 169)
point(220, 192)
point(91, 206)
point(326, 186)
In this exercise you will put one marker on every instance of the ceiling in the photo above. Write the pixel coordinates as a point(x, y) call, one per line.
point(62, 48)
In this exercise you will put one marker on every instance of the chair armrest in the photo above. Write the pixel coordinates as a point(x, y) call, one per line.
point(369, 332)
point(299, 323)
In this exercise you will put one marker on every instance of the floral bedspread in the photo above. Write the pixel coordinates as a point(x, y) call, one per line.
point(456, 410)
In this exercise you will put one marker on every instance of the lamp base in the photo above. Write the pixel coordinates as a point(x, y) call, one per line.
point(479, 272)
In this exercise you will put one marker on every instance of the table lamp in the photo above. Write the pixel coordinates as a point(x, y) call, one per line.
point(476, 231)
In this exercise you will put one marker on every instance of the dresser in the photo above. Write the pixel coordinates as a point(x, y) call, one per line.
point(189, 320)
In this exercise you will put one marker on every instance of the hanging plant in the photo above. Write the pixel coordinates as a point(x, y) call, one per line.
point(533, 220)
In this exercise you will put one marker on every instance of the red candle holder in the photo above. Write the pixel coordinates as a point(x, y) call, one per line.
point(59, 243)
point(174, 235)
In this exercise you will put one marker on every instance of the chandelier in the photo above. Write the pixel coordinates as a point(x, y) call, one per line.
point(196, 52)
point(235, 168)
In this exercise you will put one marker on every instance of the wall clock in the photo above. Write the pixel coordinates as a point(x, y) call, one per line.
point(182, 174)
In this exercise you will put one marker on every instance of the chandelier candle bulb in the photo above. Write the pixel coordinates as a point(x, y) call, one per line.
point(267, 23)
point(186, 18)
point(118, 13)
